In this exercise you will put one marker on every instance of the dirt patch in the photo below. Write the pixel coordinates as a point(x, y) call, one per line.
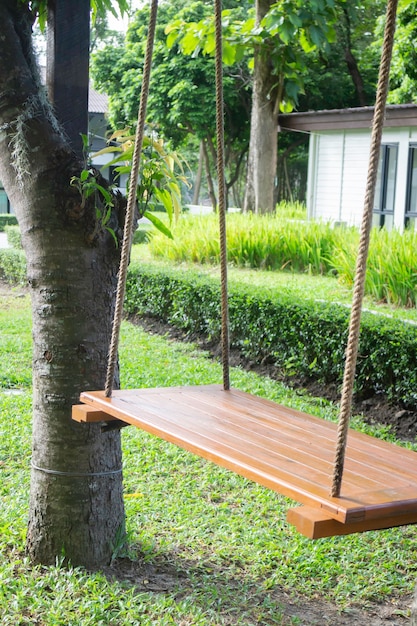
point(163, 577)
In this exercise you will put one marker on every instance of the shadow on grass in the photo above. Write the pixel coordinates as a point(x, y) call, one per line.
point(241, 600)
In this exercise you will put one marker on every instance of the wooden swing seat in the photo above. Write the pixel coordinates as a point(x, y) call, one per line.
point(281, 448)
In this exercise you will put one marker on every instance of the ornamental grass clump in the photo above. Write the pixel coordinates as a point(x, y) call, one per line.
point(268, 242)
point(392, 267)
point(391, 275)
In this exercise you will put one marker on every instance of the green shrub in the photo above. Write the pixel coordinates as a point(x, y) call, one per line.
point(6, 219)
point(265, 242)
point(13, 266)
point(391, 275)
point(304, 337)
point(142, 234)
point(13, 236)
point(276, 242)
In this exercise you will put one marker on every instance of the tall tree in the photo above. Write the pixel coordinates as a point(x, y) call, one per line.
point(76, 507)
point(278, 38)
point(266, 95)
point(182, 96)
point(285, 32)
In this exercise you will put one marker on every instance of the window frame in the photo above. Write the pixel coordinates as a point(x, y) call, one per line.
point(408, 214)
point(8, 207)
point(381, 212)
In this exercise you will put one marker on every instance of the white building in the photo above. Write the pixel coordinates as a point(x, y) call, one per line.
point(338, 164)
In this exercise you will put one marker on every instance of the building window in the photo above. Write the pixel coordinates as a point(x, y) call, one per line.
point(385, 187)
point(4, 200)
point(411, 198)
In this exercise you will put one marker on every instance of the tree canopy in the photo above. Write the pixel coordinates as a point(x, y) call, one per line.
point(309, 45)
point(182, 95)
point(403, 86)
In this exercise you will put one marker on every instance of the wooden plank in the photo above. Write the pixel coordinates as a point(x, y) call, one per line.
point(283, 449)
point(316, 524)
point(321, 433)
point(319, 446)
point(271, 449)
point(212, 446)
point(83, 413)
point(165, 411)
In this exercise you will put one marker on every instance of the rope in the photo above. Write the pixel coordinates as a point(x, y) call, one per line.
point(359, 285)
point(76, 474)
point(131, 204)
point(221, 193)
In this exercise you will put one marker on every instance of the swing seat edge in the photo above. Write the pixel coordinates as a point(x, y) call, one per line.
point(314, 523)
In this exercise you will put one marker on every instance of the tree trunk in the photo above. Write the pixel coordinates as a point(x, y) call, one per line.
point(262, 159)
point(197, 182)
point(356, 76)
point(209, 177)
point(351, 62)
point(76, 504)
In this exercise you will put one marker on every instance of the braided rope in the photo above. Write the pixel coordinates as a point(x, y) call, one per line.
point(131, 203)
point(221, 193)
point(359, 286)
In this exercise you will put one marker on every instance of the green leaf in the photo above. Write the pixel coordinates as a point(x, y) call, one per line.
point(106, 217)
point(158, 224)
point(113, 234)
point(286, 106)
point(292, 89)
point(286, 32)
point(107, 150)
point(190, 43)
point(105, 193)
point(210, 44)
point(306, 44)
point(229, 53)
point(171, 38)
point(316, 35)
point(164, 198)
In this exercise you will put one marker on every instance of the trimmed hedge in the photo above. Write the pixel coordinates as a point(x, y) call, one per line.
point(7, 219)
point(303, 337)
point(13, 266)
point(13, 236)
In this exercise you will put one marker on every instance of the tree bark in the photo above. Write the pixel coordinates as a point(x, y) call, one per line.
point(262, 159)
point(76, 505)
point(197, 182)
point(209, 178)
point(351, 62)
point(356, 76)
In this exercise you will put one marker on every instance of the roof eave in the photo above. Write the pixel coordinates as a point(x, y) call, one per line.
point(402, 115)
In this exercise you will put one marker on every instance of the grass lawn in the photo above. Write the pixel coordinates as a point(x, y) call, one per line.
point(304, 286)
point(206, 547)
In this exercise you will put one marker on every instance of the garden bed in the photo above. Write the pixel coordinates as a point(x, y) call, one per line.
point(376, 409)
point(301, 339)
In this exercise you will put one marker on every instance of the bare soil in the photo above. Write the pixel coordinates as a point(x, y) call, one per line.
point(164, 577)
